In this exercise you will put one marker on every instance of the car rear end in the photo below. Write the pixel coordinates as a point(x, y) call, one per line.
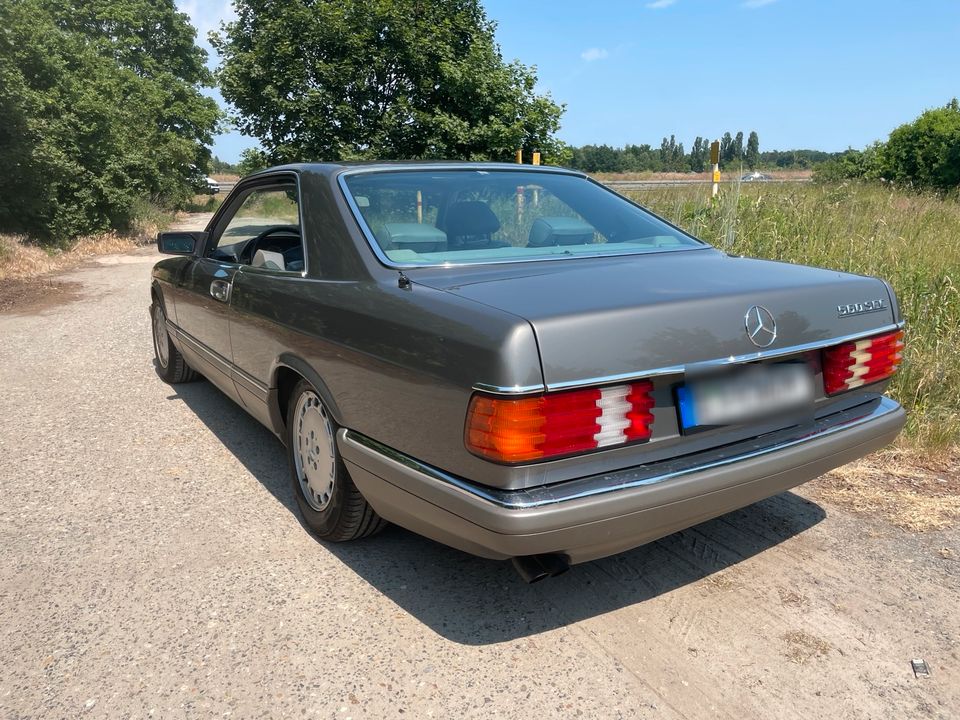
point(677, 383)
point(645, 457)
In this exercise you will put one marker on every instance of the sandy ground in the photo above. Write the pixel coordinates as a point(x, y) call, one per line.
point(151, 564)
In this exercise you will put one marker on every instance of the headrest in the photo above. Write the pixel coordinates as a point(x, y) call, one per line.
point(547, 231)
point(269, 260)
point(414, 236)
point(470, 218)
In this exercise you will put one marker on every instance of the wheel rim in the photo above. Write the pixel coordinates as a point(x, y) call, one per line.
point(313, 452)
point(161, 345)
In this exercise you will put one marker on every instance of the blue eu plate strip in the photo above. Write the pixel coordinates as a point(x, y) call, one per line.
point(688, 413)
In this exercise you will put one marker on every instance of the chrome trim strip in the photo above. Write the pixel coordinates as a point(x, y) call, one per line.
point(251, 383)
point(508, 389)
point(384, 260)
point(681, 369)
point(215, 359)
point(554, 494)
point(218, 361)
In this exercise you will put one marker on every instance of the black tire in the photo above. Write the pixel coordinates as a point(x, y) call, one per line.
point(171, 366)
point(342, 514)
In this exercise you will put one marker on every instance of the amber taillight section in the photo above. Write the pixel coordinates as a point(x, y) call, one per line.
point(861, 362)
point(563, 423)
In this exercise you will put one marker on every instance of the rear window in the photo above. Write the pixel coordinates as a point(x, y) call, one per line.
point(430, 217)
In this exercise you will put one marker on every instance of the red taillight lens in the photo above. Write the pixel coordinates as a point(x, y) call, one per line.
point(563, 423)
point(862, 362)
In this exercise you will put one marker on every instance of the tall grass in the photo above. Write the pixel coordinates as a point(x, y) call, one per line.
point(913, 241)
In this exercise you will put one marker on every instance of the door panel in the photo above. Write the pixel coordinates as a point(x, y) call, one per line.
point(203, 313)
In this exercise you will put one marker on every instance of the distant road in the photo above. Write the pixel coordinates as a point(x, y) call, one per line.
point(628, 184)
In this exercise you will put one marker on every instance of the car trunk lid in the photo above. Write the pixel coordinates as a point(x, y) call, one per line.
point(606, 318)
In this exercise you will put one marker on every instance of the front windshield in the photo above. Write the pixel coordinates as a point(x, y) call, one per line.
point(436, 217)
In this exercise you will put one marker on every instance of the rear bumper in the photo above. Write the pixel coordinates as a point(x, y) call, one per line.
point(601, 515)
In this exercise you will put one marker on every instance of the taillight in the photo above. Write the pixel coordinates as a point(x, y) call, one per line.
point(563, 423)
point(861, 362)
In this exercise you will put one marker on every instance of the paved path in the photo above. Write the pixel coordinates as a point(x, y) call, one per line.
point(151, 564)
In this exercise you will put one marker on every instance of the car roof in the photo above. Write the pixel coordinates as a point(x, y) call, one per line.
point(336, 168)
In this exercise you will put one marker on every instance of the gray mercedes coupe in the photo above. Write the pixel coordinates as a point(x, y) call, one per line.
point(515, 360)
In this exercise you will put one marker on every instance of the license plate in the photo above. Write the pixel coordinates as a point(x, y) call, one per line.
point(749, 394)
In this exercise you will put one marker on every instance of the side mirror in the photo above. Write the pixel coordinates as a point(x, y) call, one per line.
point(180, 243)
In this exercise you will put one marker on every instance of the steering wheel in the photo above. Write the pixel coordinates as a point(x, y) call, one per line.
point(253, 244)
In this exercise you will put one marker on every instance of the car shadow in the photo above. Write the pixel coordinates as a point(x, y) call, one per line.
point(475, 601)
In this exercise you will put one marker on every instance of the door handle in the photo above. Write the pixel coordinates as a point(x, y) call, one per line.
point(220, 290)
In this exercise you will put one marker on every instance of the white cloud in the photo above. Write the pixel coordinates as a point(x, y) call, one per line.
point(594, 54)
point(754, 4)
point(206, 15)
point(660, 4)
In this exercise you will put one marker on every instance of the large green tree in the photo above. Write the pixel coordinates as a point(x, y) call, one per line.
point(100, 109)
point(355, 79)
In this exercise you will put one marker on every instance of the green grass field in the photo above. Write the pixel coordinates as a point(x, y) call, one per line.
point(913, 241)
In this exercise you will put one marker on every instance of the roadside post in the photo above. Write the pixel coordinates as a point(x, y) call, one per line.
point(520, 157)
point(715, 163)
point(536, 190)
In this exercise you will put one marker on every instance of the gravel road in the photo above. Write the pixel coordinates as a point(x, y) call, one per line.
point(151, 564)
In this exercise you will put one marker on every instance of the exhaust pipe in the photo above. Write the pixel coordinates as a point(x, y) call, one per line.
point(534, 568)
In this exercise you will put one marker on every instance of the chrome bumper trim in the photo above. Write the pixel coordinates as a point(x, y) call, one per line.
point(643, 475)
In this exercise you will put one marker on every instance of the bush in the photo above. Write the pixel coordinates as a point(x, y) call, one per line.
point(926, 152)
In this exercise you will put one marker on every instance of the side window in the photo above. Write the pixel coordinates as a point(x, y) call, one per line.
point(264, 231)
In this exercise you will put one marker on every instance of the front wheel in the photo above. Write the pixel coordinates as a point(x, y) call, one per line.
point(331, 506)
point(171, 366)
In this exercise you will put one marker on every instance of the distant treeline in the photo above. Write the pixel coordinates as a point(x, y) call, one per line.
point(672, 157)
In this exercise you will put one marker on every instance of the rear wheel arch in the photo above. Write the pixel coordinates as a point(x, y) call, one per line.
point(287, 372)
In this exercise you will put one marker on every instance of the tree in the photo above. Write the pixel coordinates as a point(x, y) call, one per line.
point(926, 152)
point(101, 109)
point(738, 147)
point(727, 151)
point(753, 150)
point(698, 154)
point(354, 79)
point(252, 160)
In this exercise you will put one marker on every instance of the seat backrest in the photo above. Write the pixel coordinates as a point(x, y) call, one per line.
point(469, 223)
point(269, 260)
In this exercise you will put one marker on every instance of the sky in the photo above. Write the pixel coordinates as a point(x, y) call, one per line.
point(820, 74)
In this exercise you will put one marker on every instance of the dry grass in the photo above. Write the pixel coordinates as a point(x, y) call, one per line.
point(20, 260)
point(802, 646)
point(910, 491)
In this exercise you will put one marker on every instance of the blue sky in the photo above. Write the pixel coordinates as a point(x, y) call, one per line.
point(802, 73)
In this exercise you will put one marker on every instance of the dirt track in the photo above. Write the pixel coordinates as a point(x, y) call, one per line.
point(151, 560)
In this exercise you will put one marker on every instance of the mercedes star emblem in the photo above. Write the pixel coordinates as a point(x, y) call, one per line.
point(760, 325)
